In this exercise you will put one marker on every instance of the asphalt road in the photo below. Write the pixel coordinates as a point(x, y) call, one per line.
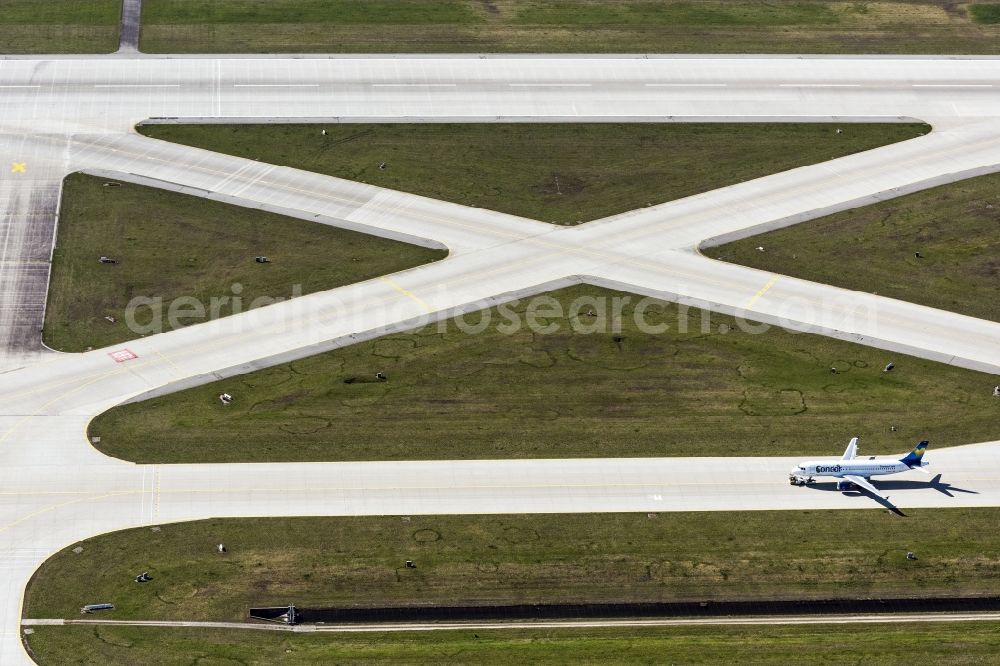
point(27, 227)
point(879, 618)
point(58, 116)
point(129, 34)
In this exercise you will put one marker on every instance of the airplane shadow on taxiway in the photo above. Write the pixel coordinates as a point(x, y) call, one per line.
point(888, 486)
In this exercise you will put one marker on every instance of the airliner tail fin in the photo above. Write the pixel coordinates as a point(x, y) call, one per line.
point(912, 459)
point(852, 450)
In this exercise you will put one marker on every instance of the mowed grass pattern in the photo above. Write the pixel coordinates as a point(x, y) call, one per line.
point(171, 245)
point(955, 229)
point(326, 562)
point(561, 173)
point(705, 386)
point(953, 643)
point(561, 26)
point(59, 26)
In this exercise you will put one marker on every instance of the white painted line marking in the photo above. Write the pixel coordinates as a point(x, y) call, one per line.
point(276, 85)
point(550, 85)
point(952, 85)
point(14, 86)
point(137, 85)
point(686, 85)
point(819, 85)
point(414, 85)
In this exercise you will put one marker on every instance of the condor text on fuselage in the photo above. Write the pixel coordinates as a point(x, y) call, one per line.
point(858, 468)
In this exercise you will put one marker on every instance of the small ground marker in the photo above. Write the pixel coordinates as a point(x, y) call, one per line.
point(122, 355)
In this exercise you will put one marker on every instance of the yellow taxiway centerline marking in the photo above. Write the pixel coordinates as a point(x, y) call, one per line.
point(53, 507)
point(18, 167)
point(170, 362)
point(409, 294)
point(57, 398)
point(763, 290)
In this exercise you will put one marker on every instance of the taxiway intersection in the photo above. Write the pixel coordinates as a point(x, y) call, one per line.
point(62, 115)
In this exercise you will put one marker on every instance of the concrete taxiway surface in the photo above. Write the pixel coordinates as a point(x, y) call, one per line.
point(63, 115)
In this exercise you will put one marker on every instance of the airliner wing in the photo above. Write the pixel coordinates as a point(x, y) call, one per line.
point(863, 483)
point(852, 450)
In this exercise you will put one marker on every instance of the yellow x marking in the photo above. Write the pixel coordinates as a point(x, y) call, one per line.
point(19, 167)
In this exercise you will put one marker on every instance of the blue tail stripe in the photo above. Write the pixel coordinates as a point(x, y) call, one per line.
point(913, 457)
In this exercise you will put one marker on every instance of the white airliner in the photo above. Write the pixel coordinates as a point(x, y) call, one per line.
point(858, 472)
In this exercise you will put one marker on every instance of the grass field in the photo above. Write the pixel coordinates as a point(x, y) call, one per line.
point(170, 245)
point(953, 643)
point(503, 559)
point(562, 173)
point(987, 13)
point(583, 389)
point(59, 26)
point(591, 26)
point(955, 228)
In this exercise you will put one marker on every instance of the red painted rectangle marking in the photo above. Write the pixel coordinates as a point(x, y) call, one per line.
point(122, 355)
